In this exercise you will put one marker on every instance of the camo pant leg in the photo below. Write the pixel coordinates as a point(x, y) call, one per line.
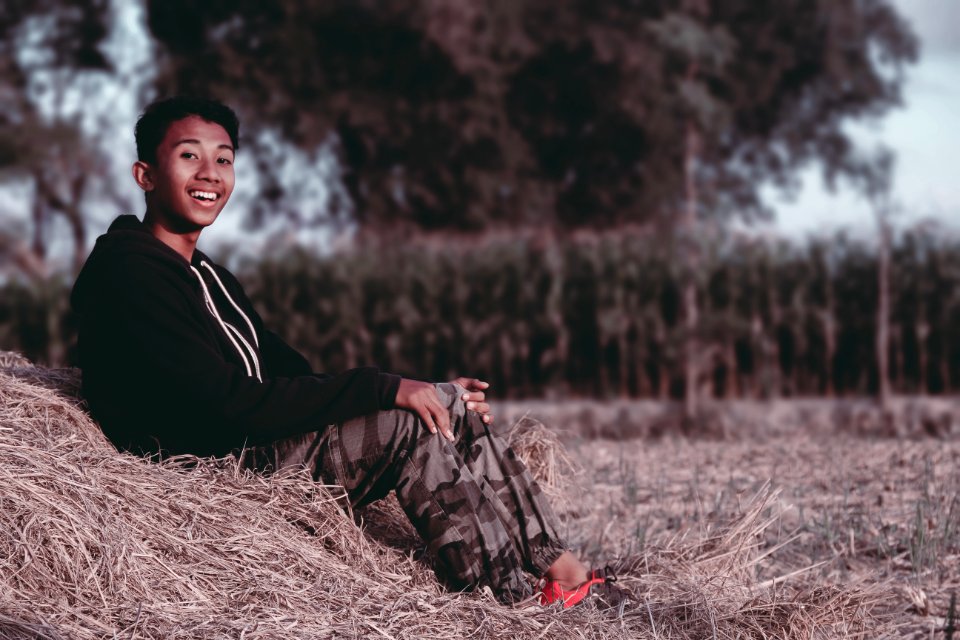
point(520, 502)
point(483, 517)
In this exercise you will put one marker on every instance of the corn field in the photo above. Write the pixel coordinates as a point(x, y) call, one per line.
point(593, 315)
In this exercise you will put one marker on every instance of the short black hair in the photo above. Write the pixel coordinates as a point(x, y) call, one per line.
point(159, 115)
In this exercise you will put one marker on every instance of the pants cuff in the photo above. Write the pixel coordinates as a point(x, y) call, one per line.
point(542, 557)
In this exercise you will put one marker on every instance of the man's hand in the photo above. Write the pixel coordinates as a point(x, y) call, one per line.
point(475, 397)
point(422, 399)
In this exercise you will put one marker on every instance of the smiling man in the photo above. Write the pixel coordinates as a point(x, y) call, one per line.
point(176, 360)
point(188, 178)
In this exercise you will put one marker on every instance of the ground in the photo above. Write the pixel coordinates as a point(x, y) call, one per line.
point(764, 520)
point(881, 513)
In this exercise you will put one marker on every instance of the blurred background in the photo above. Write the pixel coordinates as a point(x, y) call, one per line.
point(675, 200)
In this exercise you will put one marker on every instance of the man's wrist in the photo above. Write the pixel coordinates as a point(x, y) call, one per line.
point(387, 386)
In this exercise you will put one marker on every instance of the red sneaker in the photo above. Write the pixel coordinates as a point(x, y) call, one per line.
point(599, 588)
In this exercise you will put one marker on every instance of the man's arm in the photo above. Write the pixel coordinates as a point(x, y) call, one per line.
point(419, 397)
point(283, 360)
point(165, 356)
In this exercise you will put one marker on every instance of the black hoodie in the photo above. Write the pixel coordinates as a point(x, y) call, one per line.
point(177, 365)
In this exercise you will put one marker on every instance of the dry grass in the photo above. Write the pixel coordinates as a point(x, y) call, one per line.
point(882, 515)
point(96, 544)
point(556, 471)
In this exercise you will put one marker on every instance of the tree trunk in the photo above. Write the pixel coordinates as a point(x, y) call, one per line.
point(759, 351)
point(74, 217)
point(923, 359)
point(731, 384)
point(945, 369)
point(883, 314)
point(663, 372)
point(896, 335)
point(48, 200)
point(772, 340)
point(53, 308)
point(828, 321)
point(38, 245)
point(644, 384)
point(691, 262)
point(830, 337)
point(623, 361)
point(557, 356)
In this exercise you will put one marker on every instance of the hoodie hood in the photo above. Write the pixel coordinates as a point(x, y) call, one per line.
point(126, 235)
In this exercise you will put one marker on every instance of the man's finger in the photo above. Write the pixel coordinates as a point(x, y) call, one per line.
point(476, 396)
point(487, 418)
point(443, 421)
point(471, 384)
point(441, 416)
point(427, 420)
point(479, 407)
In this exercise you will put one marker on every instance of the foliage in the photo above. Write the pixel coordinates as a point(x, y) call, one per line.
point(35, 319)
point(596, 314)
point(47, 49)
point(469, 115)
point(593, 314)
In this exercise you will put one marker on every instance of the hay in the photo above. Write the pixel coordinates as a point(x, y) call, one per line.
point(709, 589)
point(9, 359)
point(97, 544)
point(545, 456)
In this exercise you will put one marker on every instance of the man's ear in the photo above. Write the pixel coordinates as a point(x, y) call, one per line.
point(143, 174)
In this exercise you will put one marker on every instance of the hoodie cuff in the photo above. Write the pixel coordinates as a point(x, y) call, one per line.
point(387, 386)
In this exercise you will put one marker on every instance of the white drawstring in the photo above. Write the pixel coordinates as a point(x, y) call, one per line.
point(208, 299)
point(235, 305)
point(239, 335)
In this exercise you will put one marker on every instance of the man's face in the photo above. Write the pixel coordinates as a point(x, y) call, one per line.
point(192, 177)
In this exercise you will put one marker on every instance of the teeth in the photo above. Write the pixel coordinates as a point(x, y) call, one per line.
point(203, 195)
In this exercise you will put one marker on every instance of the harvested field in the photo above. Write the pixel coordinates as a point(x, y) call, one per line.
point(851, 508)
point(882, 517)
point(793, 538)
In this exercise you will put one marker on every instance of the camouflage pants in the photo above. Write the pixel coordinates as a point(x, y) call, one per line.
point(483, 517)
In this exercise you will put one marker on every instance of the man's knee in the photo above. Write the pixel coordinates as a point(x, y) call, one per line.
point(406, 427)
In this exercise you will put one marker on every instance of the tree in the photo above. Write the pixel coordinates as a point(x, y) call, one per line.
point(470, 115)
point(465, 115)
point(47, 51)
point(742, 121)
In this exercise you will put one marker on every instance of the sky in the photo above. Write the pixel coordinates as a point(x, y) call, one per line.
point(924, 133)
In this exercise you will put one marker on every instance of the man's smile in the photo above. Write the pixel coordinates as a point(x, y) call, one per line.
point(204, 196)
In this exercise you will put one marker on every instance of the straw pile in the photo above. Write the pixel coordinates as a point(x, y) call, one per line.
point(97, 544)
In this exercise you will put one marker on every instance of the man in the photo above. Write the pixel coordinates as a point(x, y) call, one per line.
point(176, 360)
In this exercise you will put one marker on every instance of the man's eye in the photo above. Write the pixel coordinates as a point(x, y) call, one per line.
point(188, 154)
point(224, 161)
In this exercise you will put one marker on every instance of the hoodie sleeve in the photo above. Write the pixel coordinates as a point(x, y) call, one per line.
point(156, 351)
point(283, 360)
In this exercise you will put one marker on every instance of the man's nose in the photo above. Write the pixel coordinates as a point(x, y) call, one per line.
point(208, 171)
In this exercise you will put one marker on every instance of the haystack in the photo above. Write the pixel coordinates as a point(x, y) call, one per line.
point(100, 544)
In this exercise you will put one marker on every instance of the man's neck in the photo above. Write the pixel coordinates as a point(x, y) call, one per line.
point(183, 243)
